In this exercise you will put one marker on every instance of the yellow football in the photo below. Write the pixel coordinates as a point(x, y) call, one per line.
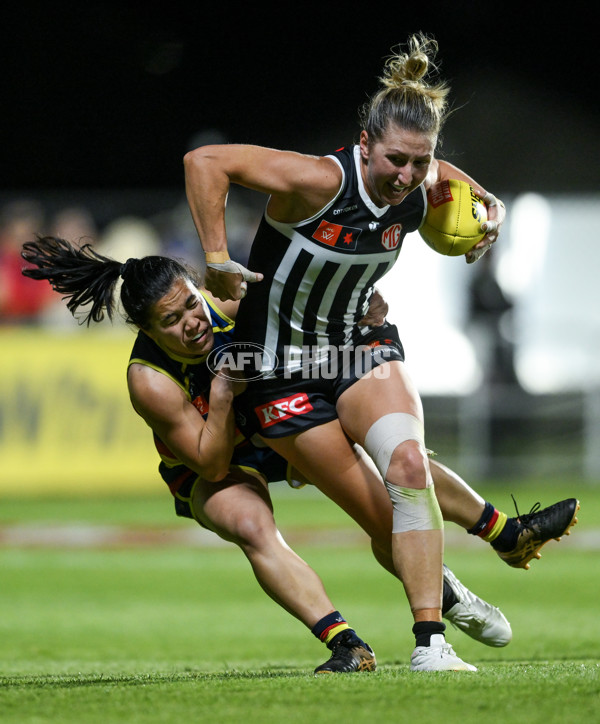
point(452, 223)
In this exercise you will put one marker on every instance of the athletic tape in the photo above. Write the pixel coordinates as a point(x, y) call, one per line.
point(414, 509)
point(384, 436)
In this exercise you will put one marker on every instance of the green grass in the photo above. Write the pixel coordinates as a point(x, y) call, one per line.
point(171, 633)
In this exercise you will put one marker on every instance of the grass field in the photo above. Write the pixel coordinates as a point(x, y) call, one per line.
point(116, 611)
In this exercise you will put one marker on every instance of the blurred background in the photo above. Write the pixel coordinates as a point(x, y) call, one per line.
point(101, 101)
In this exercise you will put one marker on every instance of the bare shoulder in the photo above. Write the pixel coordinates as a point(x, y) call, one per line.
point(313, 182)
point(433, 175)
point(153, 394)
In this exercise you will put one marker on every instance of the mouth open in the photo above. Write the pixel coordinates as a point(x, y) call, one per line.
point(396, 192)
point(199, 337)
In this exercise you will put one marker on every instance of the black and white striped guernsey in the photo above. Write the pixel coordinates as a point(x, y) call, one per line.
point(320, 272)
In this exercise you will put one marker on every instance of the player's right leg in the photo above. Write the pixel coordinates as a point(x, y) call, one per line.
point(357, 488)
point(239, 510)
point(325, 456)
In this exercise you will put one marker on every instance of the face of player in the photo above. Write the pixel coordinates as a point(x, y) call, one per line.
point(178, 323)
point(395, 165)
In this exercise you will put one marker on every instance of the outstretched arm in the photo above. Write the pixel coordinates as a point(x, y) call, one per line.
point(298, 186)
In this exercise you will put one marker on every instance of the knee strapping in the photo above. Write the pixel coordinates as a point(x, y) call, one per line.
point(384, 436)
point(414, 509)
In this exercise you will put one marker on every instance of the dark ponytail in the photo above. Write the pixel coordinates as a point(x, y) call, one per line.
point(79, 273)
point(83, 276)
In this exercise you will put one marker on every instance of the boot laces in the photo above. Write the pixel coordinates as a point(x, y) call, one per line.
point(526, 518)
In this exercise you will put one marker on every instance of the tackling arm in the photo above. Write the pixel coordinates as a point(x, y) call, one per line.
point(205, 446)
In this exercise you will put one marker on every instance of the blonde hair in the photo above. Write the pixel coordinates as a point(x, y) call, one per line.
point(410, 94)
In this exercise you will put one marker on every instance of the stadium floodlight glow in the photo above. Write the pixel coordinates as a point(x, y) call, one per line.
point(426, 295)
point(529, 229)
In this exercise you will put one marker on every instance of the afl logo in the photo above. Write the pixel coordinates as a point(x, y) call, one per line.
point(391, 237)
point(245, 360)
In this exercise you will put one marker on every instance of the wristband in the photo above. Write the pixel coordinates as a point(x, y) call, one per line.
point(216, 257)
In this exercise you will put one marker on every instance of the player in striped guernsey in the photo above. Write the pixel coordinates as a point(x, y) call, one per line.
point(332, 227)
point(318, 282)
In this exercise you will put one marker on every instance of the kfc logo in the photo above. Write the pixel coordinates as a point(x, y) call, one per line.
point(439, 194)
point(391, 237)
point(273, 412)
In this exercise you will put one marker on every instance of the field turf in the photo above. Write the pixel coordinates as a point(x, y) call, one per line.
point(113, 610)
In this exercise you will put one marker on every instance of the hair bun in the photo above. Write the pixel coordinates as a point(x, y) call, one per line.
point(125, 267)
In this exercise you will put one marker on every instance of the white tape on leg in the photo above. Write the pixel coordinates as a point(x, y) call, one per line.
point(384, 436)
point(414, 509)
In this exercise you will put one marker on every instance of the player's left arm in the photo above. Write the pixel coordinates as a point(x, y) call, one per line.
point(496, 212)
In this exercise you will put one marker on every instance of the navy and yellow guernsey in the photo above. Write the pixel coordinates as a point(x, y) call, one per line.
point(194, 378)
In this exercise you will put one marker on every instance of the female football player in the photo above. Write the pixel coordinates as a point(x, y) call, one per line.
point(333, 226)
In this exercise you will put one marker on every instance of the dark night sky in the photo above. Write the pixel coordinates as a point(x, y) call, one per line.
point(102, 95)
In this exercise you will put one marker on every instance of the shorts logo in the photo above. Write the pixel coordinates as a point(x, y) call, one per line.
point(273, 412)
point(342, 237)
point(391, 237)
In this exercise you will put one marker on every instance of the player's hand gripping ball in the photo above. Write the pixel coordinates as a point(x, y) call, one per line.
point(452, 224)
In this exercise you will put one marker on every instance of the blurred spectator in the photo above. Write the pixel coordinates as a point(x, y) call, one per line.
point(178, 236)
point(76, 224)
point(490, 321)
point(129, 236)
point(22, 300)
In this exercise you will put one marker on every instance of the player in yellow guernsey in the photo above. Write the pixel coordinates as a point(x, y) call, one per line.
point(194, 375)
point(179, 385)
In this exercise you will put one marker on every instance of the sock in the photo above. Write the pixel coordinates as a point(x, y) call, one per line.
point(448, 597)
point(423, 631)
point(500, 531)
point(330, 626)
point(490, 525)
point(508, 536)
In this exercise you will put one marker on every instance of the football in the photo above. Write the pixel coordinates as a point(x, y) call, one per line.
point(452, 224)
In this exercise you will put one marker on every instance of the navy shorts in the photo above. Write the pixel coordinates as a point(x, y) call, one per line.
point(259, 460)
point(280, 406)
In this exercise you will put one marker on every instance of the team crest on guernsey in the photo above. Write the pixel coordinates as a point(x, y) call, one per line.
point(391, 237)
point(341, 237)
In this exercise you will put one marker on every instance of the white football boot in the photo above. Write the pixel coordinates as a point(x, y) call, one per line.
point(438, 656)
point(475, 617)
